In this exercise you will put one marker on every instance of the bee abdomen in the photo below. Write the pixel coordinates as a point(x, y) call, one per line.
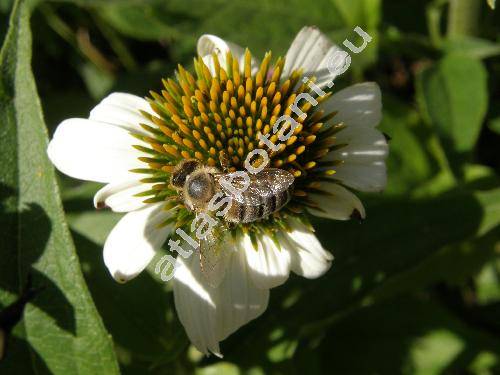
point(280, 200)
point(242, 213)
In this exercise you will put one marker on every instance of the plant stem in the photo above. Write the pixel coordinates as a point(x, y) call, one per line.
point(463, 17)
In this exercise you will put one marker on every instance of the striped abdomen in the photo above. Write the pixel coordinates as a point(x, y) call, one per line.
point(246, 213)
point(266, 192)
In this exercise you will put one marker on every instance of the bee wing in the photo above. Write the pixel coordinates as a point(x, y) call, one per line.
point(263, 185)
point(213, 257)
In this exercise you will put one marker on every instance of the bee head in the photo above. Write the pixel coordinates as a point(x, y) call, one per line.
point(199, 188)
point(182, 171)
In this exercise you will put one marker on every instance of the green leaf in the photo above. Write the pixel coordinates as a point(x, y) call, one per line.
point(131, 18)
point(399, 235)
point(453, 264)
point(453, 95)
point(494, 125)
point(359, 12)
point(488, 282)
point(408, 335)
point(180, 23)
point(61, 332)
point(409, 161)
point(367, 15)
point(220, 368)
point(491, 3)
point(471, 47)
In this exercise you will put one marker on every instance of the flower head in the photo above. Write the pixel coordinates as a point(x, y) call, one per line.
point(228, 107)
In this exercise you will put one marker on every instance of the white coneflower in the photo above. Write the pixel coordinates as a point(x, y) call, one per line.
point(133, 145)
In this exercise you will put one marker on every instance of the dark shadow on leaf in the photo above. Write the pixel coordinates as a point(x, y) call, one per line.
point(384, 339)
point(78, 205)
point(25, 240)
point(21, 358)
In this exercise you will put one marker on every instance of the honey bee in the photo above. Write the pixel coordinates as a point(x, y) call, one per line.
point(267, 191)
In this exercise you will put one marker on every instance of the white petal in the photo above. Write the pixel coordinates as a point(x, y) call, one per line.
point(195, 303)
point(364, 145)
point(209, 44)
point(123, 110)
point(369, 177)
point(312, 51)
point(120, 196)
point(89, 150)
point(134, 240)
point(269, 265)
point(239, 301)
point(339, 204)
point(214, 260)
point(359, 108)
point(209, 315)
point(358, 105)
point(309, 259)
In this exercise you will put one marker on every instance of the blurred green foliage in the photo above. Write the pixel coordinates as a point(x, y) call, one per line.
point(414, 289)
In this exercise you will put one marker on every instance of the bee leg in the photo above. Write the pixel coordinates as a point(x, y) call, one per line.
point(224, 161)
point(227, 222)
